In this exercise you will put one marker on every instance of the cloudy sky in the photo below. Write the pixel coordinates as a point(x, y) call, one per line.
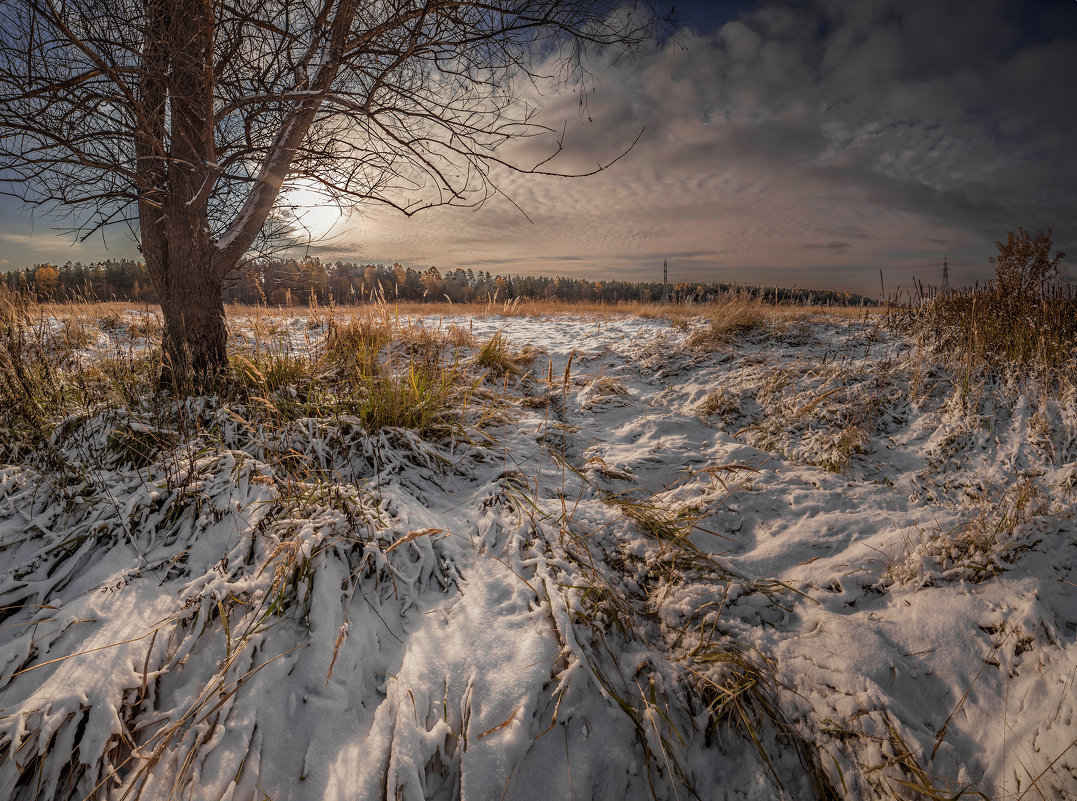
point(803, 143)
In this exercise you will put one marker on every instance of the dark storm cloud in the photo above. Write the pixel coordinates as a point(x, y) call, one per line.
point(955, 111)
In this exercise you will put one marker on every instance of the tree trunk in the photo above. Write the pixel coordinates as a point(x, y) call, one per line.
point(181, 258)
point(194, 346)
point(177, 166)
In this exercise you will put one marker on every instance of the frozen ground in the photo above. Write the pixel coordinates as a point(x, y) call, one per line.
point(811, 562)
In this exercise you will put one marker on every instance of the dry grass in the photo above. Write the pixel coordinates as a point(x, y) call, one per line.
point(379, 367)
point(495, 356)
point(374, 366)
point(602, 390)
point(979, 547)
point(823, 416)
point(889, 766)
point(718, 402)
point(74, 335)
point(384, 371)
point(733, 317)
point(514, 308)
point(738, 690)
point(998, 332)
point(33, 363)
point(94, 310)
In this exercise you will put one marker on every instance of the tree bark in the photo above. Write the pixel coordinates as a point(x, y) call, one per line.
point(181, 258)
point(194, 346)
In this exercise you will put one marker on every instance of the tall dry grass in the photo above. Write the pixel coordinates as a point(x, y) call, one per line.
point(1001, 330)
point(373, 366)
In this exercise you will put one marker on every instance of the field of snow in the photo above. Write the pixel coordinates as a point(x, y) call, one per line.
point(813, 561)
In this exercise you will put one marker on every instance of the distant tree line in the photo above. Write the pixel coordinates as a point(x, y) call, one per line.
point(309, 280)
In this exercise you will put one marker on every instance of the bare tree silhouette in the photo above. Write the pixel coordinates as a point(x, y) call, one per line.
point(187, 119)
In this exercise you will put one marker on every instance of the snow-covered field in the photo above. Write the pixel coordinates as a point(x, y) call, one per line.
point(815, 561)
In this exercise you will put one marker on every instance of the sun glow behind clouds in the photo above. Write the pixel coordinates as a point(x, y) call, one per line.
point(309, 211)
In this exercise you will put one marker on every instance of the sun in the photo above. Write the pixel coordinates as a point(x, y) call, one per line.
point(309, 210)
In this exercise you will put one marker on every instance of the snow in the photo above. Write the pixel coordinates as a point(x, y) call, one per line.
point(493, 620)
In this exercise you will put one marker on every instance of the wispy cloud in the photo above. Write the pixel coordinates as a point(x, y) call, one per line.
point(38, 244)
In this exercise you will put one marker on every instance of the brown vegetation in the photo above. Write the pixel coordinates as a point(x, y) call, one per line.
point(1025, 318)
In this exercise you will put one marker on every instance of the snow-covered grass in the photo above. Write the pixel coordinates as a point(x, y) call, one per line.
point(606, 556)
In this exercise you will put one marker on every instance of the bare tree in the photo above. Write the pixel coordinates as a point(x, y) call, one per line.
point(186, 119)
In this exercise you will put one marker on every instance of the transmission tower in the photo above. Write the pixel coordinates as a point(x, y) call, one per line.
point(945, 276)
point(665, 281)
